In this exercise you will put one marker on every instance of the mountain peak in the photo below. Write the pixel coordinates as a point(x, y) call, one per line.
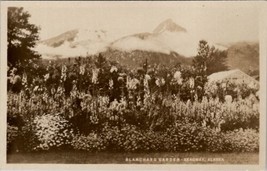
point(60, 39)
point(169, 25)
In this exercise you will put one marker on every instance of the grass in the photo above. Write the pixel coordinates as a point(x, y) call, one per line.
point(78, 157)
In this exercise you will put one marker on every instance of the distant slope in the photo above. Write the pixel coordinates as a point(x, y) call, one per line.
point(142, 42)
point(136, 58)
point(79, 42)
point(168, 44)
point(244, 56)
point(167, 37)
point(57, 41)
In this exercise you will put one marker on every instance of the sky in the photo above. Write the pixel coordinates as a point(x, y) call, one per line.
point(219, 22)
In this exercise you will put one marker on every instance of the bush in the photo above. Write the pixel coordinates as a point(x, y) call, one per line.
point(27, 139)
point(241, 141)
point(12, 133)
point(191, 136)
point(155, 141)
point(133, 139)
point(92, 142)
point(52, 131)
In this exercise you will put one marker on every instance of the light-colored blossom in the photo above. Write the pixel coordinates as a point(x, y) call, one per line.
point(82, 69)
point(178, 77)
point(160, 82)
point(111, 84)
point(228, 99)
point(132, 83)
point(95, 75)
point(191, 82)
point(113, 69)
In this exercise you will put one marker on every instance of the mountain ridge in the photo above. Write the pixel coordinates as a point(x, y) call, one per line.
point(161, 42)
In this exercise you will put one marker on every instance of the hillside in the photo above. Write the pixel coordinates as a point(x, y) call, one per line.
point(57, 41)
point(136, 58)
point(244, 56)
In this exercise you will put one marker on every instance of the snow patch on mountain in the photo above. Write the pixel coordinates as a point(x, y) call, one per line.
point(149, 43)
point(167, 37)
point(84, 42)
point(63, 50)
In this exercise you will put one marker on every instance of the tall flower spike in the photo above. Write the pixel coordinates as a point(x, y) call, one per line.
point(95, 75)
point(178, 77)
point(191, 82)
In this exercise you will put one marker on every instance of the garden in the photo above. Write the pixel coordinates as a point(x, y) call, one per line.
point(93, 105)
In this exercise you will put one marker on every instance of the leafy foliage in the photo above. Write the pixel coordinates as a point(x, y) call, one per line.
point(241, 140)
point(12, 134)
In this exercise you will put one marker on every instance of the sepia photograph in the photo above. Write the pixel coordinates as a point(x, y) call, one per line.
point(173, 83)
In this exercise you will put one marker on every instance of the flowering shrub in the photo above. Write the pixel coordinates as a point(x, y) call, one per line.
point(133, 140)
point(112, 137)
point(12, 133)
point(91, 142)
point(235, 89)
point(213, 141)
point(52, 131)
point(241, 140)
point(183, 138)
point(27, 138)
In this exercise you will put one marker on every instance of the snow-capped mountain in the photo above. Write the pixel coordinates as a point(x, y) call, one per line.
point(167, 42)
point(78, 42)
point(167, 37)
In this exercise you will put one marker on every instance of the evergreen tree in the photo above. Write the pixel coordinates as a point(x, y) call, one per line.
point(209, 60)
point(22, 37)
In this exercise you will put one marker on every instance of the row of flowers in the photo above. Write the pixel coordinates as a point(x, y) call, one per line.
point(183, 81)
point(154, 111)
point(184, 137)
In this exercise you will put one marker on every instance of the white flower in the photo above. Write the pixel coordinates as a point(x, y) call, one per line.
point(147, 77)
point(64, 73)
point(252, 85)
point(191, 82)
point(82, 69)
point(64, 68)
point(111, 83)
point(178, 77)
point(157, 82)
point(46, 77)
point(224, 85)
point(120, 78)
point(113, 68)
point(95, 75)
point(35, 88)
point(228, 99)
point(132, 83)
point(257, 94)
point(24, 79)
point(160, 82)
